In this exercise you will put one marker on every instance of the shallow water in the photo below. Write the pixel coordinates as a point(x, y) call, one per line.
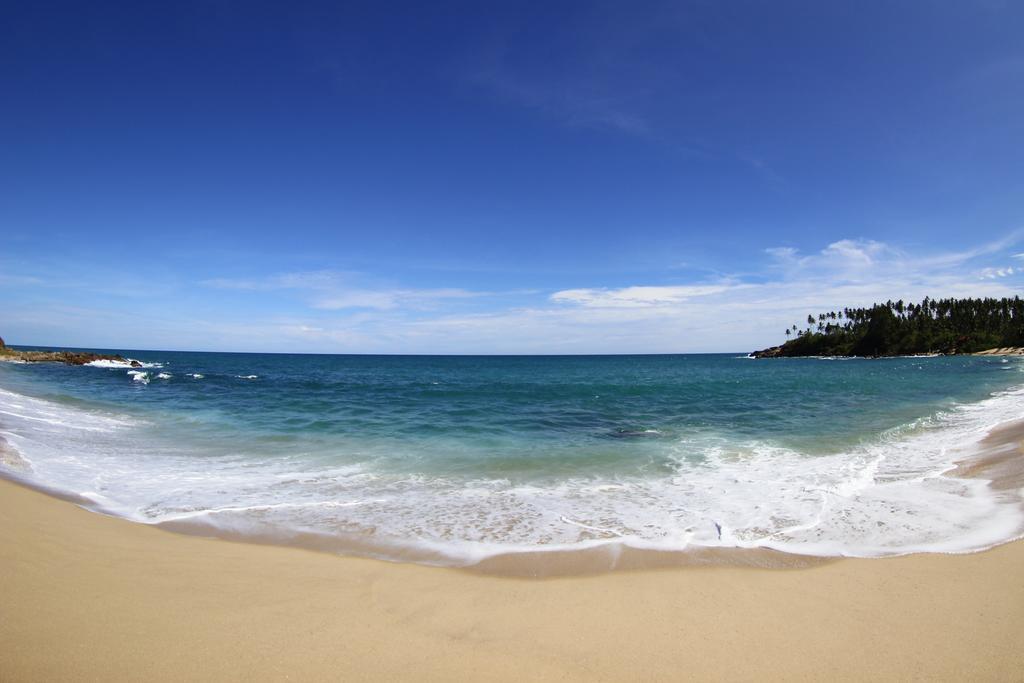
point(454, 460)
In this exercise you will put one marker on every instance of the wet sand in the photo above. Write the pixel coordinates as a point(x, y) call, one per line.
point(999, 457)
point(88, 597)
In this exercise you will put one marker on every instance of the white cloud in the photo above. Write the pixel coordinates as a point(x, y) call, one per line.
point(855, 253)
point(843, 256)
point(992, 273)
point(640, 296)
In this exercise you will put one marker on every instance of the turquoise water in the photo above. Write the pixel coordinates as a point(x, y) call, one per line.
point(453, 459)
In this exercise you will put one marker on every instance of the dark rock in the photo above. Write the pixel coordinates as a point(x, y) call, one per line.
point(772, 352)
point(68, 357)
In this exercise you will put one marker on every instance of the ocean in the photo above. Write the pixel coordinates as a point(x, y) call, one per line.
point(456, 460)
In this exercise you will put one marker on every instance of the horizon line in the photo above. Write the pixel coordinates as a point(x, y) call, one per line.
point(30, 347)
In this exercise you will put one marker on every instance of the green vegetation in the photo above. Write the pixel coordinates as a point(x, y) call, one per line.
point(896, 329)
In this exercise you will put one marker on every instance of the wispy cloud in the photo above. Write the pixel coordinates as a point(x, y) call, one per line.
point(843, 256)
point(639, 296)
point(335, 311)
point(592, 75)
point(575, 100)
point(6, 279)
point(861, 260)
point(336, 290)
point(393, 298)
point(992, 273)
point(314, 279)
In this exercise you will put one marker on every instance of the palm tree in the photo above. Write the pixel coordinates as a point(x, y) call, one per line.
point(944, 325)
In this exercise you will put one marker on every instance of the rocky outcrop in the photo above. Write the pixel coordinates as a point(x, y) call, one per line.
point(772, 352)
point(68, 357)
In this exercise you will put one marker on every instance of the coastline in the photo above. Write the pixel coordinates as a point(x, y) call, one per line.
point(1003, 351)
point(778, 352)
point(88, 596)
point(990, 453)
point(996, 458)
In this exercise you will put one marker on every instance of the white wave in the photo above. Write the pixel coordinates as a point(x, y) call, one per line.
point(120, 364)
point(164, 375)
point(12, 460)
point(196, 375)
point(139, 376)
point(27, 415)
point(247, 376)
point(886, 497)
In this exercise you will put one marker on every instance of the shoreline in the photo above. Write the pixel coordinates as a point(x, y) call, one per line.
point(776, 352)
point(1001, 351)
point(997, 458)
point(89, 596)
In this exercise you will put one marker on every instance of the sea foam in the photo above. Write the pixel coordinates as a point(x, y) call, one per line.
point(887, 496)
point(121, 364)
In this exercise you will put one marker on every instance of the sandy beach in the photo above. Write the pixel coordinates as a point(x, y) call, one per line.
point(1004, 351)
point(88, 597)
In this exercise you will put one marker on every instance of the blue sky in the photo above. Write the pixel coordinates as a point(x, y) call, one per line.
point(499, 177)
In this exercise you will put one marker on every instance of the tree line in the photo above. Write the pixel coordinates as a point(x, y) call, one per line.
point(896, 328)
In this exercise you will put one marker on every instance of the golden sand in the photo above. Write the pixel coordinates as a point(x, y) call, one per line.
point(88, 597)
point(1003, 351)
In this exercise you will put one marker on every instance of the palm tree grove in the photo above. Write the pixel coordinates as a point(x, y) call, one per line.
point(896, 328)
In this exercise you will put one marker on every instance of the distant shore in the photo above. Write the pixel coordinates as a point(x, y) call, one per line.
point(780, 352)
point(1003, 351)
